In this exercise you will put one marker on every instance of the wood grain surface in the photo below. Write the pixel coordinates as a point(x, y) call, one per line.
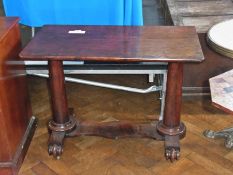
point(112, 43)
point(14, 114)
point(15, 106)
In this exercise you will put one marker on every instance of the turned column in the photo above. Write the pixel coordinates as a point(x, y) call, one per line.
point(171, 125)
point(58, 92)
point(62, 121)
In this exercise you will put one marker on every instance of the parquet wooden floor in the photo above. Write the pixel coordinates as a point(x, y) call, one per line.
point(100, 156)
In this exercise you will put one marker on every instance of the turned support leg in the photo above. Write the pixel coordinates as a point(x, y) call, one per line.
point(61, 122)
point(170, 126)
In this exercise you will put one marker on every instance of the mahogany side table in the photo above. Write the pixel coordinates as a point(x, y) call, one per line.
point(174, 45)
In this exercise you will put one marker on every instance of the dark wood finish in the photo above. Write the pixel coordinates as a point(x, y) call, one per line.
point(56, 143)
point(61, 121)
point(115, 130)
point(15, 164)
point(173, 95)
point(14, 100)
point(201, 14)
point(171, 123)
point(119, 44)
point(213, 65)
point(58, 93)
point(172, 147)
point(171, 127)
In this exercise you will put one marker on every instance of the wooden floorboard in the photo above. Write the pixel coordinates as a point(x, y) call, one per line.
point(100, 156)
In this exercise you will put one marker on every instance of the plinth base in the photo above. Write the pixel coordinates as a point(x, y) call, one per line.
point(12, 167)
point(115, 130)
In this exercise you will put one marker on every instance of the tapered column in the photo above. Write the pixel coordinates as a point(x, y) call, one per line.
point(171, 124)
point(58, 93)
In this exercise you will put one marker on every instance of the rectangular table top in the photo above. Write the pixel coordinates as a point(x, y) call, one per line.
point(115, 43)
point(199, 13)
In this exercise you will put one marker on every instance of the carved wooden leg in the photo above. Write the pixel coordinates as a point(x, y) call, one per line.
point(55, 145)
point(62, 122)
point(170, 126)
point(172, 147)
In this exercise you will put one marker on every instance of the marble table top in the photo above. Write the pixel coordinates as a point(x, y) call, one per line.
point(221, 87)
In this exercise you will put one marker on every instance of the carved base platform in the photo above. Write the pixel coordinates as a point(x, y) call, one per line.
point(115, 130)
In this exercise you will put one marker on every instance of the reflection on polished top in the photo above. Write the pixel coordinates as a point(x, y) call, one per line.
point(6, 24)
point(114, 43)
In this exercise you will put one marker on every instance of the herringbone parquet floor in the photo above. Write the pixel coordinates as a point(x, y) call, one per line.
point(100, 156)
